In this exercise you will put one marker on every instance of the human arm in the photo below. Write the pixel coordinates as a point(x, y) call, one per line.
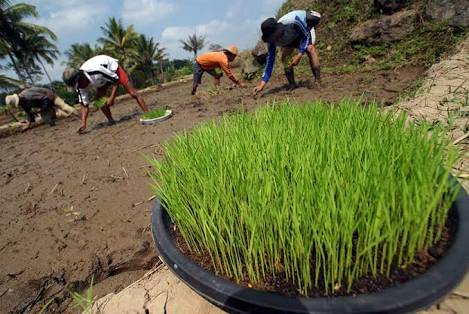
point(84, 111)
point(296, 60)
point(229, 73)
point(267, 70)
point(112, 97)
point(83, 97)
point(29, 117)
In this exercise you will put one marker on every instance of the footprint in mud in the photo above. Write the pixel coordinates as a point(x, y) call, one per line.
point(196, 103)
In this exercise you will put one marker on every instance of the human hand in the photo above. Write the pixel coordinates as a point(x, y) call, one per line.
point(242, 84)
point(27, 126)
point(296, 60)
point(258, 88)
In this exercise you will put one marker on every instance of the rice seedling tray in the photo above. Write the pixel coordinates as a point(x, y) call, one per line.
point(413, 295)
point(159, 116)
point(314, 203)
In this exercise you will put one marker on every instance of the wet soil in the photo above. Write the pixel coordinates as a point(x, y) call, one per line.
point(367, 284)
point(75, 206)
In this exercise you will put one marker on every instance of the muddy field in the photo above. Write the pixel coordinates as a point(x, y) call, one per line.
point(74, 207)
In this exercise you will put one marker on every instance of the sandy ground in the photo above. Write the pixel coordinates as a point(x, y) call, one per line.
point(71, 205)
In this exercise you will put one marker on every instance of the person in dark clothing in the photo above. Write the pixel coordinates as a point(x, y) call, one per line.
point(35, 100)
point(294, 30)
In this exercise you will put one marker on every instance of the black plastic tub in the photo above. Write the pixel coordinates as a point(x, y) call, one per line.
point(416, 294)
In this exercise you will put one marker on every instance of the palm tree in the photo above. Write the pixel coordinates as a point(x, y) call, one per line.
point(39, 49)
point(119, 41)
point(148, 52)
point(9, 83)
point(193, 43)
point(77, 54)
point(162, 57)
point(14, 31)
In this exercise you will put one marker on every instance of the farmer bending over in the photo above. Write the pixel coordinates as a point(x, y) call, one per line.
point(210, 62)
point(39, 100)
point(293, 30)
point(98, 73)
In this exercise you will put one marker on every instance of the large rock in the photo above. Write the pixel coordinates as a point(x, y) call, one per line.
point(390, 6)
point(385, 29)
point(455, 12)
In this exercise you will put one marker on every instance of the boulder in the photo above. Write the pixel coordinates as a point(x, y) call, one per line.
point(390, 6)
point(385, 29)
point(455, 12)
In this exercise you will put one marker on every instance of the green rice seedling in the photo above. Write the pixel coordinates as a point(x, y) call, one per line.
point(321, 194)
point(84, 301)
point(154, 113)
point(101, 102)
point(46, 306)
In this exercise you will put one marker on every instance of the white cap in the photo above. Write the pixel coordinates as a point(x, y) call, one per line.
point(12, 100)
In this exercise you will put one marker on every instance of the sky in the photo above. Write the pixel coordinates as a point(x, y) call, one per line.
point(222, 22)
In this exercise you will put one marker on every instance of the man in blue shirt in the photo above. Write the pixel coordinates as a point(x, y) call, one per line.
point(293, 30)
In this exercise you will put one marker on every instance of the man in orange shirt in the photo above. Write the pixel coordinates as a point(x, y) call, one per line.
point(211, 61)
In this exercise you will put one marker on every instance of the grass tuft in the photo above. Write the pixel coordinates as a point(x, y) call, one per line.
point(86, 300)
point(321, 194)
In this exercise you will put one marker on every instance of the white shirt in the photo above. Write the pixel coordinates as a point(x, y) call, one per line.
point(99, 70)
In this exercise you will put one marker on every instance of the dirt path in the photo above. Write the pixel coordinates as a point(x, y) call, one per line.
point(67, 201)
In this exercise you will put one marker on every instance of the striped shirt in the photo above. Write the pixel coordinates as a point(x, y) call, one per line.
point(298, 18)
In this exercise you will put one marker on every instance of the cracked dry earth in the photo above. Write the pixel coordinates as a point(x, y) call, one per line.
point(160, 292)
point(75, 207)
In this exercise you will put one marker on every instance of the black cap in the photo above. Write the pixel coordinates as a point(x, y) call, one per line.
point(268, 28)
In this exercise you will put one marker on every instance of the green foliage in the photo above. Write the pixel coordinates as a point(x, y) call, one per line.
point(99, 103)
point(84, 301)
point(178, 68)
point(8, 83)
point(64, 92)
point(321, 194)
point(154, 113)
point(5, 109)
point(142, 57)
point(193, 43)
point(424, 47)
point(77, 54)
point(411, 91)
point(25, 44)
point(148, 66)
point(119, 42)
point(185, 70)
point(335, 10)
point(46, 306)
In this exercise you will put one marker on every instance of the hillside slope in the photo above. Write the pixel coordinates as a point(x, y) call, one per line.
point(417, 33)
